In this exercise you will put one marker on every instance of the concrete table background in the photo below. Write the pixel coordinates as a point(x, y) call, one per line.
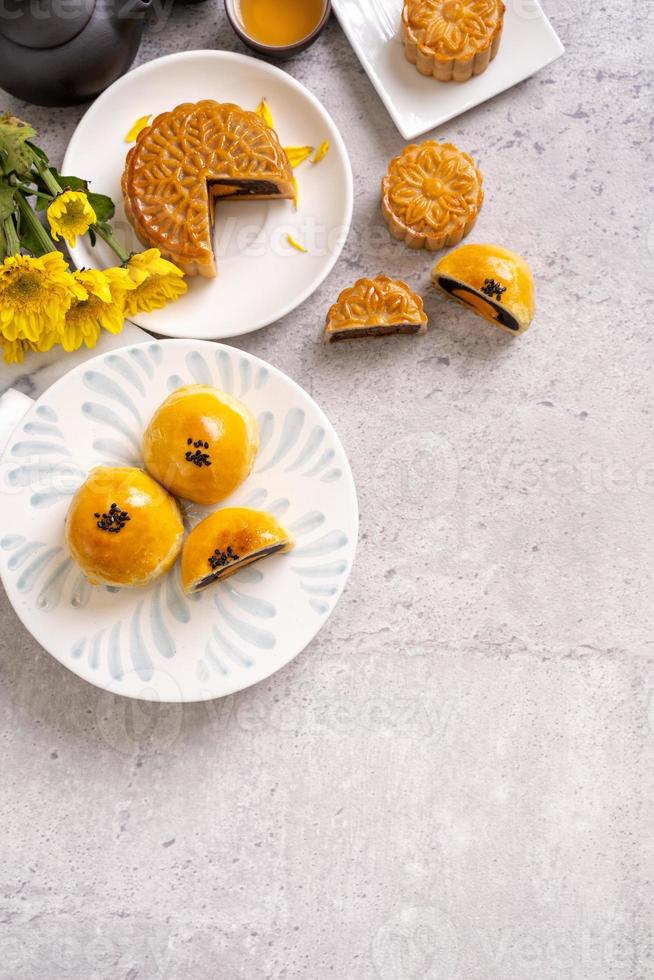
point(454, 779)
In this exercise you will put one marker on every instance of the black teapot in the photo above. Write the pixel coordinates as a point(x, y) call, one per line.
point(60, 52)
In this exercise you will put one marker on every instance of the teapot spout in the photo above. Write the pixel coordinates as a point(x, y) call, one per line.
point(130, 9)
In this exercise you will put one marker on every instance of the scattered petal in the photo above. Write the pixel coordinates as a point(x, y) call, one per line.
point(296, 245)
point(321, 152)
point(297, 192)
point(141, 123)
point(297, 154)
point(263, 111)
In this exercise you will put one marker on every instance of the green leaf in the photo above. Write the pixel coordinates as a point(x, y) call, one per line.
point(7, 202)
point(38, 152)
point(15, 150)
point(70, 183)
point(3, 244)
point(103, 206)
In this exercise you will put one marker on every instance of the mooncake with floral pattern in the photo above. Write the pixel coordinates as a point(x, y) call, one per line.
point(431, 195)
point(452, 40)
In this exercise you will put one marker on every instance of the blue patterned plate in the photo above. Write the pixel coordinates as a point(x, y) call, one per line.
point(156, 643)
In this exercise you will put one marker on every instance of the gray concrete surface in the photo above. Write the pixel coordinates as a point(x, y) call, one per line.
point(455, 779)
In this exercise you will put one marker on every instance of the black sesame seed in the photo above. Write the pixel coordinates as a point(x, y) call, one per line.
point(220, 559)
point(114, 521)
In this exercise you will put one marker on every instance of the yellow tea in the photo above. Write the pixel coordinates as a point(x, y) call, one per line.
point(280, 22)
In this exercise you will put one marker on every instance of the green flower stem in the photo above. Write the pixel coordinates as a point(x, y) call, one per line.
point(11, 238)
point(48, 178)
point(29, 191)
point(107, 236)
point(45, 242)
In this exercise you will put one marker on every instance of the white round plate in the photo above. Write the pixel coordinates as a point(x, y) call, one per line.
point(156, 643)
point(261, 277)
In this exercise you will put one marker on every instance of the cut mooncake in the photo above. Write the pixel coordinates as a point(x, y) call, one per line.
point(374, 308)
point(493, 281)
point(228, 540)
point(186, 160)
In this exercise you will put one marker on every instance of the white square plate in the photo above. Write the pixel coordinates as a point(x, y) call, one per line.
point(418, 104)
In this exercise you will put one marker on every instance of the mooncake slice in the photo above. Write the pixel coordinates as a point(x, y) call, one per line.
point(375, 308)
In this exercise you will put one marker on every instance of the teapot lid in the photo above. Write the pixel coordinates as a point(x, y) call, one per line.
point(44, 23)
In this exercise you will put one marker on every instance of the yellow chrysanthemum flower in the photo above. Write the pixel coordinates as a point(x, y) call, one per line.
point(14, 351)
point(70, 215)
point(35, 294)
point(103, 309)
point(157, 282)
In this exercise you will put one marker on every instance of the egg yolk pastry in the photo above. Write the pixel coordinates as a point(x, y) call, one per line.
point(122, 528)
point(493, 281)
point(201, 444)
point(228, 540)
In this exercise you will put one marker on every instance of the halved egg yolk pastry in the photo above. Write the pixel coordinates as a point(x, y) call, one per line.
point(201, 444)
point(493, 281)
point(122, 528)
point(227, 541)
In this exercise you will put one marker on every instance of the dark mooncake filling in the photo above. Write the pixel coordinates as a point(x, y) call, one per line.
point(242, 188)
point(233, 566)
point(455, 288)
point(374, 330)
